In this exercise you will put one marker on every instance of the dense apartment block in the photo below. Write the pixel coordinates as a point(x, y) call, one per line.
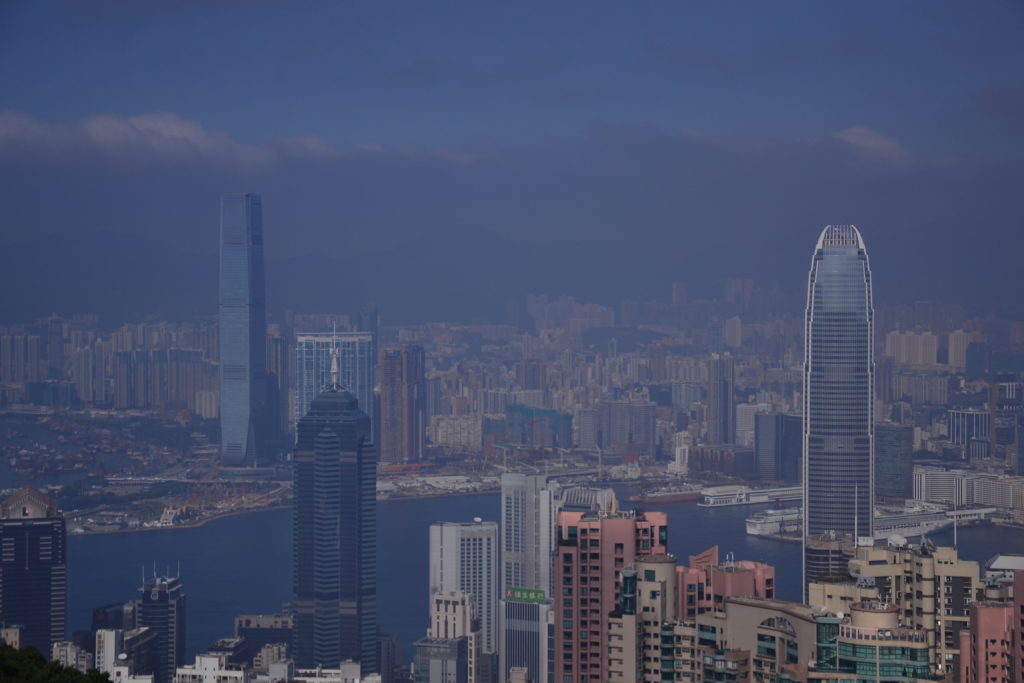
point(992, 648)
point(402, 394)
point(593, 550)
point(868, 646)
point(707, 582)
point(931, 588)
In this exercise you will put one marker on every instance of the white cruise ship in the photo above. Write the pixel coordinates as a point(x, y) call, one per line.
point(785, 521)
point(916, 519)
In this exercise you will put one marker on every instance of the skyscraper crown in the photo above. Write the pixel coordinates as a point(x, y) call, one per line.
point(840, 236)
point(28, 503)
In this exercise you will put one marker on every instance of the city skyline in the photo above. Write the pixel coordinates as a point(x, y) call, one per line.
point(501, 361)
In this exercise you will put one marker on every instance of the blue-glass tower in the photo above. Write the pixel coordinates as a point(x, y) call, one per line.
point(839, 477)
point(357, 365)
point(334, 559)
point(243, 333)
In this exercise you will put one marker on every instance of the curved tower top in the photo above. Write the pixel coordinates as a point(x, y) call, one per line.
point(840, 236)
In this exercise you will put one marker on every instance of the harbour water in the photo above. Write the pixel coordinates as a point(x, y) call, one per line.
point(242, 564)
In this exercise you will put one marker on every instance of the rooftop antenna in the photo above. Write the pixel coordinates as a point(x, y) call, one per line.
point(955, 516)
point(856, 515)
point(334, 357)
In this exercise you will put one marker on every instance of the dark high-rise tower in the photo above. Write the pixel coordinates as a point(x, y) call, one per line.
point(721, 399)
point(839, 478)
point(33, 568)
point(894, 461)
point(334, 557)
point(402, 404)
point(243, 332)
point(778, 446)
point(160, 607)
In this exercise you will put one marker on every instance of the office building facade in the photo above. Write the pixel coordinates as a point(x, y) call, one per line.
point(453, 616)
point(529, 505)
point(839, 391)
point(894, 461)
point(464, 559)
point(243, 332)
point(160, 608)
point(33, 568)
point(441, 659)
point(778, 446)
point(524, 635)
point(529, 510)
point(334, 561)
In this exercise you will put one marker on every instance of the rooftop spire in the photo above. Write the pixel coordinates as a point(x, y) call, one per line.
point(334, 358)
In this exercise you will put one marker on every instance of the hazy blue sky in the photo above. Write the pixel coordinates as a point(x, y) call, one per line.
point(444, 158)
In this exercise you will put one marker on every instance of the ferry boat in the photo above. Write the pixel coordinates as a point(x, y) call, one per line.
point(670, 494)
point(720, 496)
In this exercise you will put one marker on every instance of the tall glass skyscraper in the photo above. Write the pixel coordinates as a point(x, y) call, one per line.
point(243, 332)
point(334, 559)
point(839, 391)
point(721, 399)
point(357, 366)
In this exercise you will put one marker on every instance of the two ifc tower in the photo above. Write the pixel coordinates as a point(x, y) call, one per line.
point(838, 408)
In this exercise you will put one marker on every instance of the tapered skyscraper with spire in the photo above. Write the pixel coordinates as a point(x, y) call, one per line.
point(334, 560)
point(838, 451)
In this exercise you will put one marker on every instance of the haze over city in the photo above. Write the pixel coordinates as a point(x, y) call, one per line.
point(496, 152)
point(573, 342)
